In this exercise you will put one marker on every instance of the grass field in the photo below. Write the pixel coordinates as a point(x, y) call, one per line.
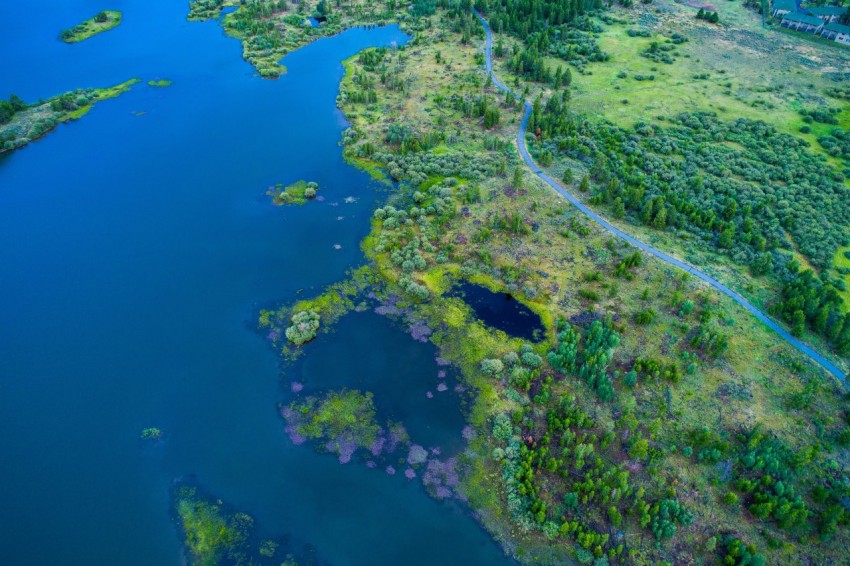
point(750, 72)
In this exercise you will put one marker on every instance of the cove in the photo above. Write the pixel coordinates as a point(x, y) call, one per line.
point(501, 311)
point(137, 247)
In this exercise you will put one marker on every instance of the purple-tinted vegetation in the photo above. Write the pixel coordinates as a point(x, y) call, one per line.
point(417, 455)
point(290, 418)
point(378, 446)
point(344, 446)
point(468, 433)
point(440, 477)
point(398, 435)
point(420, 331)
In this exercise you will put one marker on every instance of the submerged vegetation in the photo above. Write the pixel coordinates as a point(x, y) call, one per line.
point(22, 123)
point(103, 21)
point(213, 533)
point(151, 433)
point(343, 421)
point(656, 421)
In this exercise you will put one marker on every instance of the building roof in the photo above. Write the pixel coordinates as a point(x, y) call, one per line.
point(837, 28)
point(785, 5)
point(803, 19)
point(826, 10)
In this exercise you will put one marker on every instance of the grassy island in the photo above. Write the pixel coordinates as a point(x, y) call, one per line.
point(298, 192)
point(657, 422)
point(103, 21)
point(22, 123)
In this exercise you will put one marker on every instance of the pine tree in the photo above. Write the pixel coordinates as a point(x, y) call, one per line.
point(618, 209)
point(516, 183)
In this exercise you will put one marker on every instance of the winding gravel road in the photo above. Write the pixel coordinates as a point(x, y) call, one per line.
point(523, 150)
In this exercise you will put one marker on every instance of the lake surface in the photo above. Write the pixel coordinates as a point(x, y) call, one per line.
point(501, 311)
point(136, 247)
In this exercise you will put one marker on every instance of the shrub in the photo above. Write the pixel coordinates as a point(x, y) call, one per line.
point(492, 367)
point(305, 325)
point(645, 317)
point(531, 360)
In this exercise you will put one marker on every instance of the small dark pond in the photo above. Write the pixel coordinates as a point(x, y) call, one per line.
point(501, 311)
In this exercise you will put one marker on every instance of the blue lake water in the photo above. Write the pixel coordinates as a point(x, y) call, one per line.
point(136, 247)
point(501, 311)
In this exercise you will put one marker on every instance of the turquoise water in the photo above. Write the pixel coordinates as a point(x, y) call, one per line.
point(136, 247)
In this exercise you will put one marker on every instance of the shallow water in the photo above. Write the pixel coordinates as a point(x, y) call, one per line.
point(501, 311)
point(137, 246)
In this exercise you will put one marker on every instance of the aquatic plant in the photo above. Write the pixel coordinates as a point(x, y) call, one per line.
point(211, 534)
point(417, 455)
point(344, 420)
point(420, 331)
point(151, 433)
point(441, 477)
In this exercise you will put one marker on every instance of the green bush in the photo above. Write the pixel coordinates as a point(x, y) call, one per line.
point(305, 325)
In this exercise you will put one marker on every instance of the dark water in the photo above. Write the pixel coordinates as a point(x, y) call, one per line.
point(501, 311)
point(136, 246)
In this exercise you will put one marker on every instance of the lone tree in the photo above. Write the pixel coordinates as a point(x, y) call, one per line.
point(517, 180)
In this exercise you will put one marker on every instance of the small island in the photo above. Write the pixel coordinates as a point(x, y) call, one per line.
point(296, 193)
point(160, 83)
point(151, 433)
point(103, 21)
point(21, 123)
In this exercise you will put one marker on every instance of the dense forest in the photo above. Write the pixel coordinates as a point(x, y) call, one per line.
point(742, 187)
point(525, 17)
